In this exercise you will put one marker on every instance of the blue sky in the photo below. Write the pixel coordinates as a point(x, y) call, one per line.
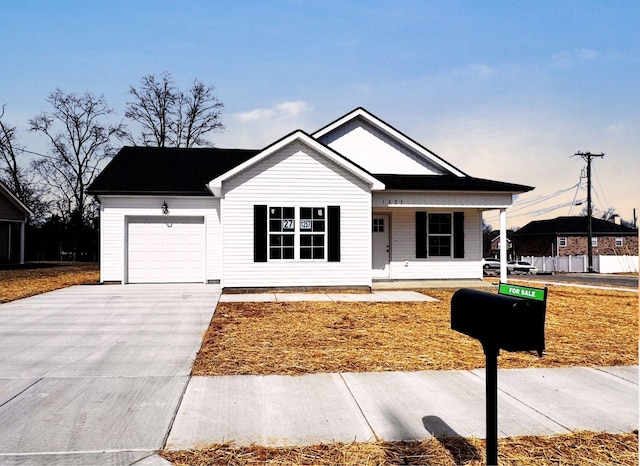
point(506, 90)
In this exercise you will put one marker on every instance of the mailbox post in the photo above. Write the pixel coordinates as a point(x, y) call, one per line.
point(512, 320)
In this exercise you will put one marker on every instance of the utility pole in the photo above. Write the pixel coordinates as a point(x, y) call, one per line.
point(587, 156)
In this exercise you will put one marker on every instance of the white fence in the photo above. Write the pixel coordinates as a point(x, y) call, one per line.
point(601, 264)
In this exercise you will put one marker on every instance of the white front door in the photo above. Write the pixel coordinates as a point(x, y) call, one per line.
point(165, 250)
point(380, 246)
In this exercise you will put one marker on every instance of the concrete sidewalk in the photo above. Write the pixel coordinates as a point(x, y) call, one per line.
point(374, 296)
point(395, 406)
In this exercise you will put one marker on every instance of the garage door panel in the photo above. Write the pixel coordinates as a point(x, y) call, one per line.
point(166, 249)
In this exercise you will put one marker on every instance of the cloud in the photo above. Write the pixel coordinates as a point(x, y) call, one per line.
point(615, 128)
point(279, 111)
point(572, 57)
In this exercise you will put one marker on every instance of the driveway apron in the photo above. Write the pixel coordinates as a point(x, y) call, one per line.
point(94, 374)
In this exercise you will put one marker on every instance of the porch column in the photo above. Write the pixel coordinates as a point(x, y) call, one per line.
point(503, 245)
point(22, 242)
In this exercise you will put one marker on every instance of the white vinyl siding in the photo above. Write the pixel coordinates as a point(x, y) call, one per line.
point(371, 149)
point(114, 211)
point(296, 176)
point(405, 266)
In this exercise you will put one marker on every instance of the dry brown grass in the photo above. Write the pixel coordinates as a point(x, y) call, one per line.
point(575, 449)
point(583, 327)
point(26, 281)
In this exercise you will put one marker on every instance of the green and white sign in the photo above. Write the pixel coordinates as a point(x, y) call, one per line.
point(517, 291)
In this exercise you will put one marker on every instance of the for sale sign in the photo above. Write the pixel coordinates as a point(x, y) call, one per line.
point(518, 291)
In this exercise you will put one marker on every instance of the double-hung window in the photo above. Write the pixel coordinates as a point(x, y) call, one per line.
point(282, 232)
point(312, 232)
point(439, 231)
point(440, 234)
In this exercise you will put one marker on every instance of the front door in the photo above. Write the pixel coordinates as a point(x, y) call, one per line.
point(380, 246)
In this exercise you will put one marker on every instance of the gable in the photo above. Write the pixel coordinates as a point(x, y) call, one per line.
point(293, 172)
point(379, 148)
point(11, 208)
point(303, 140)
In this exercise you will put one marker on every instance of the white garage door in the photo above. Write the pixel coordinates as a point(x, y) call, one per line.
point(165, 249)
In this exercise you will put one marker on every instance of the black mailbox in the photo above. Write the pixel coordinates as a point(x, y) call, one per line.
point(499, 321)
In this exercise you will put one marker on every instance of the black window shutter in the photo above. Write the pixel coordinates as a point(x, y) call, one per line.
point(259, 233)
point(333, 240)
point(458, 235)
point(421, 235)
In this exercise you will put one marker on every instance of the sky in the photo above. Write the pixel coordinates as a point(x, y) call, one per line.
point(504, 90)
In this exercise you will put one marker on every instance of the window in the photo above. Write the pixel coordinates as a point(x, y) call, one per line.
point(277, 235)
point(378, 225)
point(594, 241)
point(562, 241)
point(619, 241)
point(439, 231)
point(440, 234)
point(281, 232)
point(312, 232)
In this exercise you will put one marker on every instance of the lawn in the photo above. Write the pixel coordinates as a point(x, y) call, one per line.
point(583, 328)
point(36, 278)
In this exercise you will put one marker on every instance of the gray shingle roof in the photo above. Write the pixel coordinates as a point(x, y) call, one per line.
point(573, 226)
point(154, 170)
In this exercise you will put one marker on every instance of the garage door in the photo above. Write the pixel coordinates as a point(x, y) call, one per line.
point(165, 249)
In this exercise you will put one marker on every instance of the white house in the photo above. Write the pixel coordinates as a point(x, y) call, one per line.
point(354, 202)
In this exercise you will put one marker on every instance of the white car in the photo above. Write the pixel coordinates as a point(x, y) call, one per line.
point(521, 267)
point(489, 263)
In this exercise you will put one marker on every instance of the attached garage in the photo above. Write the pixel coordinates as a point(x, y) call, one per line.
point(165, 249)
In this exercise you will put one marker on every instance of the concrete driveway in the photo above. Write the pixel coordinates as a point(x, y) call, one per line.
point(94, 374)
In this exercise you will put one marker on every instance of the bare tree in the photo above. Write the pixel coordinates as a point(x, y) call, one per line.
point(80, 140)
point(171, 118)
point(18, 177)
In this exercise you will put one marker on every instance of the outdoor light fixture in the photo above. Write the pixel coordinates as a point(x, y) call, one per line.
point(165, 208)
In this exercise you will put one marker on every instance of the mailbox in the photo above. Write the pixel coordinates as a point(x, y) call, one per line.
point(499, 321)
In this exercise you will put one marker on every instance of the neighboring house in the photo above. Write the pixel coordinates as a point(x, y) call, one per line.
point(567, 236)
point(13, 217)
point(495, 245)
point(354, 202)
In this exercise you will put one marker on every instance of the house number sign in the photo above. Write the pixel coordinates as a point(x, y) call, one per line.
point(305, 224)
point(287, 224)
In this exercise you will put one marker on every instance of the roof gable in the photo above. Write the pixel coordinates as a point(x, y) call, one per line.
point(573, 226)
point(375, 145)
point(11, 208)
point(215, 185)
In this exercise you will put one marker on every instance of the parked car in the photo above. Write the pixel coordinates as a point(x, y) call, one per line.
point(521, 267)
point(490, 263)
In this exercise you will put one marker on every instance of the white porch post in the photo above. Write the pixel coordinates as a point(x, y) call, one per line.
point(22, 242)
point(503, 245)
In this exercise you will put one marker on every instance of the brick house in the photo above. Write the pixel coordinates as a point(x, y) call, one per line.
point(567, 236)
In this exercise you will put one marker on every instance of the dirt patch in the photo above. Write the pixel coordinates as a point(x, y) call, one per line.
point(576, 449)
point(33, 279)
point(583, 328)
